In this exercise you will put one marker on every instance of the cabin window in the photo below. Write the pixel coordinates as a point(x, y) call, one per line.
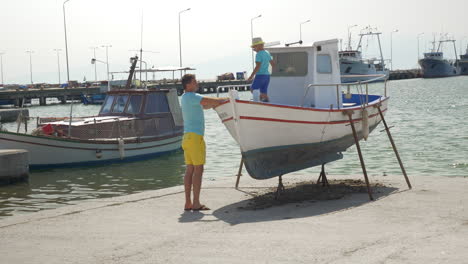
point(324, 63)
point(156, 103)
point(134, 104)
point(290, 64)
point(120, 103)
point(106, 107)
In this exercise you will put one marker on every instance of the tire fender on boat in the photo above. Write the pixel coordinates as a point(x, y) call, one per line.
point(365, 124)
point(121, 148)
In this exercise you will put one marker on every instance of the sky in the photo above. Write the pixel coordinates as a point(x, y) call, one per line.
point(215, 34)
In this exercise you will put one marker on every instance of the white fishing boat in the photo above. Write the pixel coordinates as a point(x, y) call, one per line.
point(354, 68)
point(132, 124)
point(309, 121)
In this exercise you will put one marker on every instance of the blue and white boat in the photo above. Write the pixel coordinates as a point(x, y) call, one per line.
point(307, 121)
point(434, 65)
point(356, 69)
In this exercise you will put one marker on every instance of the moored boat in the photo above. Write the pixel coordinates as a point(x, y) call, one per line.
point(354, 68)
point(463, 63)
point(434, 65)
point(132, 124)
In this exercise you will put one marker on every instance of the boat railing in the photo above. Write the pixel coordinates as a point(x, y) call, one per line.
point(376, 77)
point(226, 88)
point(111, 129)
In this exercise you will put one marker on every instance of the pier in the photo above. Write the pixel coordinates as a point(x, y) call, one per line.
point(405, 74)
point(19, 95)
point(205, 87)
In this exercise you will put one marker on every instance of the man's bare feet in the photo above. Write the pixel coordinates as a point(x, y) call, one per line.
point(188, 207)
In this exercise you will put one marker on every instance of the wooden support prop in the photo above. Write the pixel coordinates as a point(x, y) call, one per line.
point(394, 146)
point(356, 139)
point(239, 173)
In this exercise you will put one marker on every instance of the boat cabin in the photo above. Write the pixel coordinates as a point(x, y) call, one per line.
point(434, 55)
point(297, 67)
point(350, 54)
point(141, 103)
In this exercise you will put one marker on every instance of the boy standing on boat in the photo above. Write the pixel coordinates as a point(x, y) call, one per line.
point(193, 143)
point(260, 84)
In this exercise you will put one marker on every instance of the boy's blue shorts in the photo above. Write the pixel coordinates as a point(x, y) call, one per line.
point(261, 82)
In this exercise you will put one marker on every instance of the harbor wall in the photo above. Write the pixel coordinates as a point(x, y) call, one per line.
point(10, 115)
point(14, 165)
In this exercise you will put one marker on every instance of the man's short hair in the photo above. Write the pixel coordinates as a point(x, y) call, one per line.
point(186, 79)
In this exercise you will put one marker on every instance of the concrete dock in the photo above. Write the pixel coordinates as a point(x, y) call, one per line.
point(428, 224)
point(14, 165)
point(10, 115)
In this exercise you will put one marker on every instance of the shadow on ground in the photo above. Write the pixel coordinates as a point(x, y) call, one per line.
point(300, 200)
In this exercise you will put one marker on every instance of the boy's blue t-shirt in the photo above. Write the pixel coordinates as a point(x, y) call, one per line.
point(192, 112)
point(264, 58)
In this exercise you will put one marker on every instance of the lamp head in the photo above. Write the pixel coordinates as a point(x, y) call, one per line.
point(93, 61)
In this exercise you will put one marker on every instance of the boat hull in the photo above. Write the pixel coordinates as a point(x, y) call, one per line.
point(47, 152)
point(268, 163)
point(463, 67)
point(432, 68)
point(276, 139)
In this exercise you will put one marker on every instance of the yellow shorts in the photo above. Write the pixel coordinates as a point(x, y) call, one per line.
point(194, 149)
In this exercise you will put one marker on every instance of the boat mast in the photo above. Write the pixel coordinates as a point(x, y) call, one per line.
point(455, 49)
point(370, 33)
point(134, 61)
point(381, 54)
point(141, 49)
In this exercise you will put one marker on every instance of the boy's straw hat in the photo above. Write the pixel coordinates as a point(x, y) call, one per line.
point(256, 41)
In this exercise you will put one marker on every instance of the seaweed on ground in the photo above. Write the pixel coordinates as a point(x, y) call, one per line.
point(307, 192)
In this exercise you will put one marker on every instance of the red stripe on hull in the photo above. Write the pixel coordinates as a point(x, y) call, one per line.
point(299, 121)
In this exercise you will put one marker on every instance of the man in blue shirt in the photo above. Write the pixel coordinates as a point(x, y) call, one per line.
point(193, 143)
point(263, 59)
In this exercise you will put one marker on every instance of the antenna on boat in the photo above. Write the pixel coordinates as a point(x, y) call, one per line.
point(292, 43)
point(271, 44)
point(141, 46)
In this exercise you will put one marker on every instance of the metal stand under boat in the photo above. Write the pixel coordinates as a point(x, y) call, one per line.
point(323, 177)
point(239, 173)
point(280, 188)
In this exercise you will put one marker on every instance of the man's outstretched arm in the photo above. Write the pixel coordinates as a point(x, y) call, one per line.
point(210, 102)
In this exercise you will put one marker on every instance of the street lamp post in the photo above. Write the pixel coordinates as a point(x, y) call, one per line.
point(30, 64)
point(95, 66)
point(420, 34)
point(58, 64)
point(94, 60)
point(107, 62)
point(180, 42)
point(349, 36)
point(251, 38)
point(391, 48)
point(300, 30)
point(1, 66)
point(146, 71)
point(461, 44)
